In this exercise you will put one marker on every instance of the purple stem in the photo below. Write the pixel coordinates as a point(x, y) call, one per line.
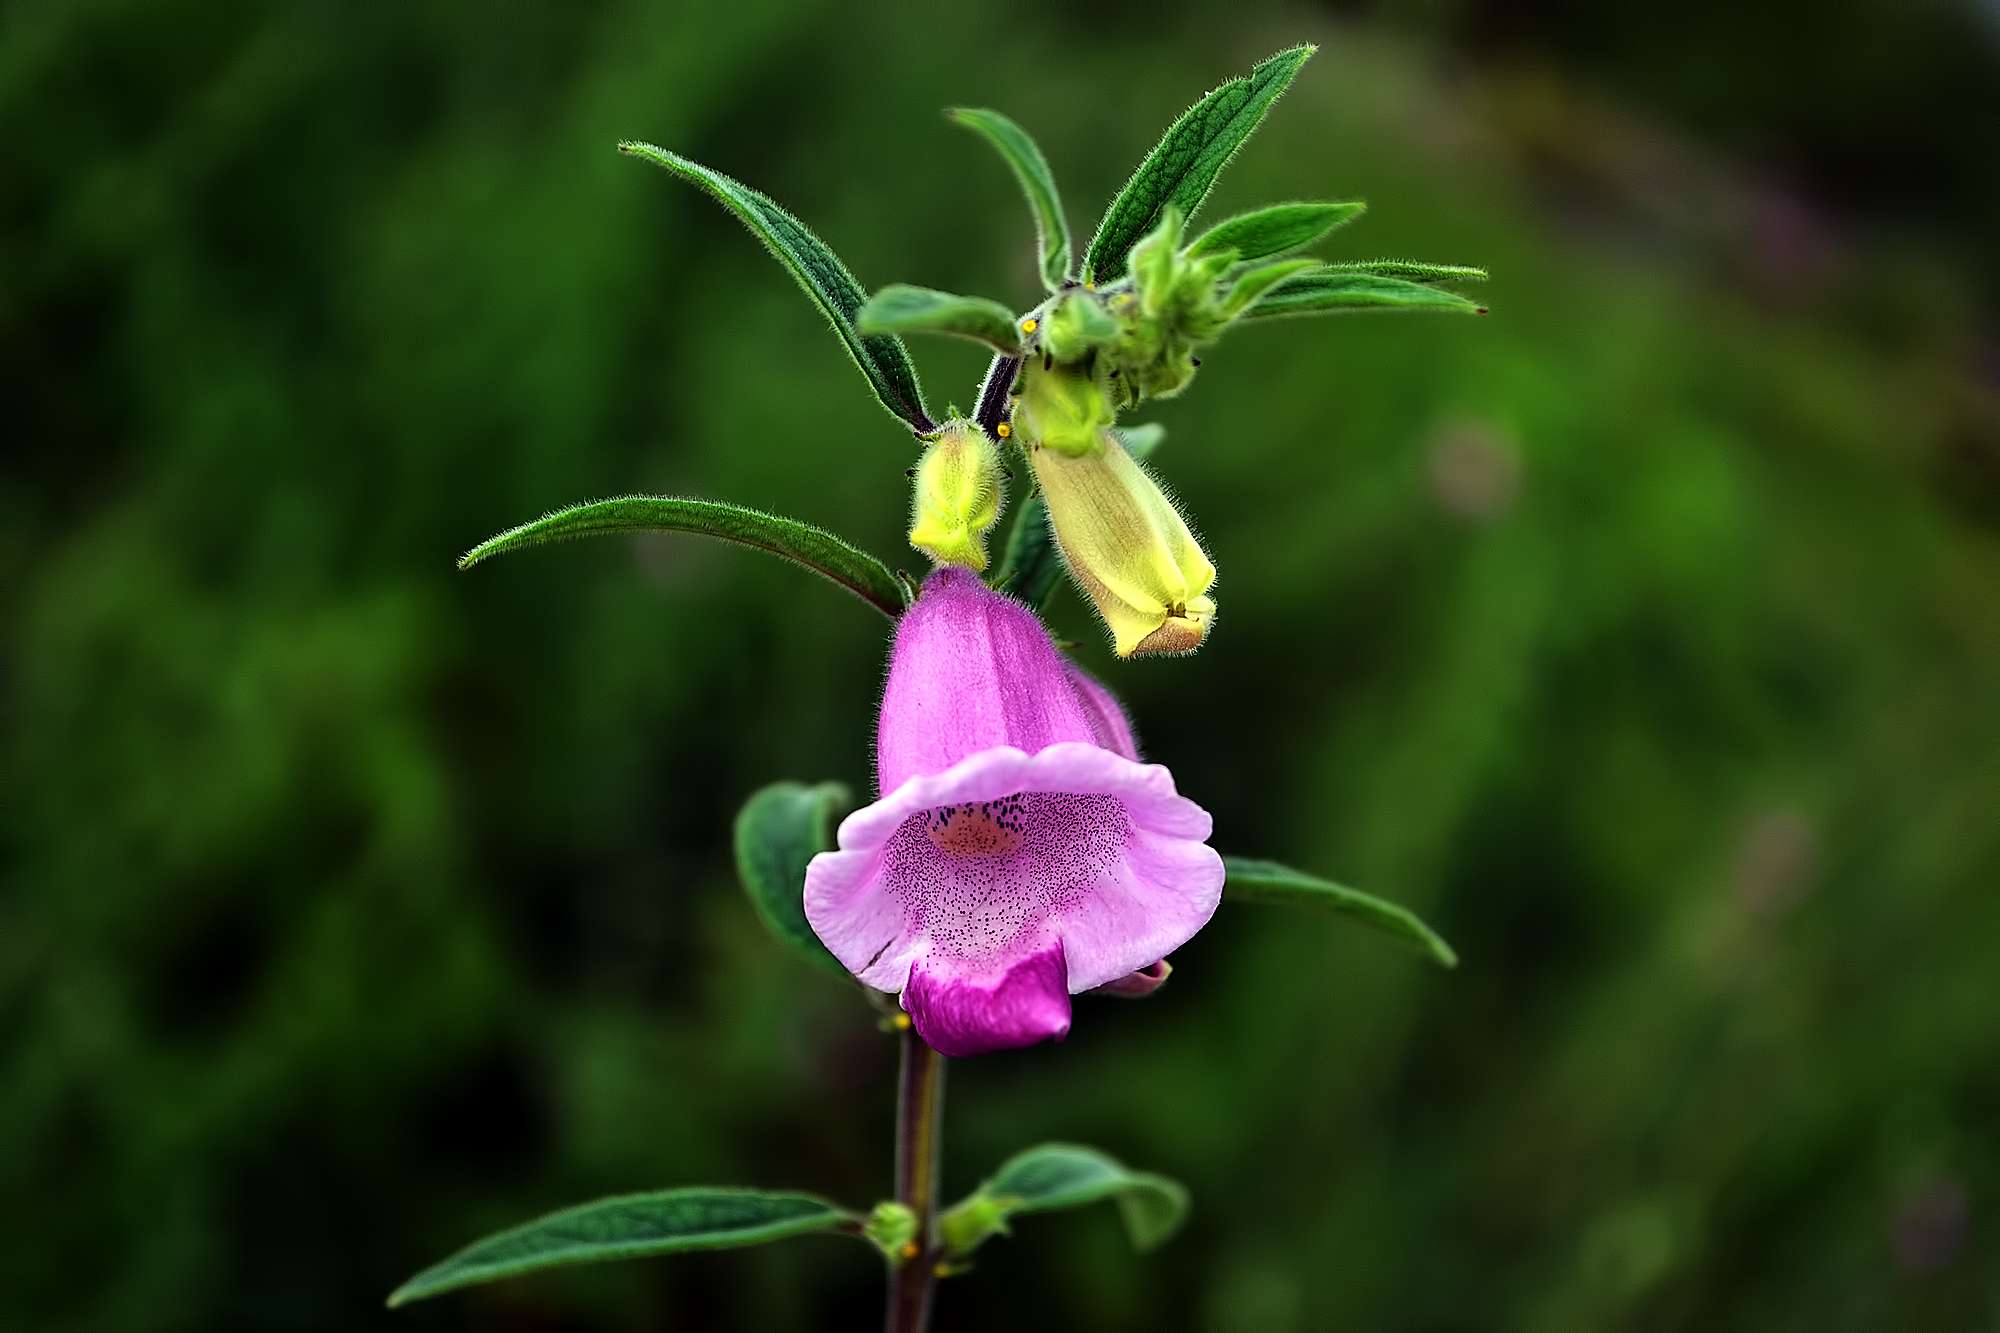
point(919, 1117)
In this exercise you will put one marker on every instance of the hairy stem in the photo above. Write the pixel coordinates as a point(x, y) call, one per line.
point(919, 1118)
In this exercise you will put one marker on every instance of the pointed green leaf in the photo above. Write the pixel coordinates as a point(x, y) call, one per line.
point(634, 1226)
point(1258, 281)
point(1186, 162)
point(819, 272)
point(1253, 881)
point(1324, 293)
point(780, 829)
point(1065, 1175)
point(801, 543)
point(1031, 566)
point(899, 308)
point(1410, 270)
point(1031, 169)
point(1275, 230)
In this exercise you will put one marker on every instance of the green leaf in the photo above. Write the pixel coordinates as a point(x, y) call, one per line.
point(779, 830)
point(1065, 1175)
point(883, 359)
point(1186, 162)
point(801, 543)
point(1258, 281)
point(1253, 881)
point(1410, 270)
point(1324, 292)
point(899, 308)
point(1031, 169)
point(1031, 567)
point(635, 1226)
point(1275, 230)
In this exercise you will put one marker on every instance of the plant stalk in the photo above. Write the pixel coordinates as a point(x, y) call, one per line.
point(994, 391)
point(919, 1124)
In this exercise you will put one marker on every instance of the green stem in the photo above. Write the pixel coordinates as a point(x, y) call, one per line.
point(919, 1122)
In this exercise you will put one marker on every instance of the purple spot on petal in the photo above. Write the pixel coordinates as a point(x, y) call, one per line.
point(975, 877)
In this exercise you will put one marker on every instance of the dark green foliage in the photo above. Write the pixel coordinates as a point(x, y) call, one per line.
point(633, 1226)
point(801, 543)
point(1255, 881)
point(780, 829)
point(1184, 164)
point(819, 273)
point(1276, 229)
point(1639, 637)
point(899, 308)
point(1031, 566)
point(1031, 169)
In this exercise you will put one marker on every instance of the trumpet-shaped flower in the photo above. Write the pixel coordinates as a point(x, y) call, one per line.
point(1019, 852)
point(1128, 548)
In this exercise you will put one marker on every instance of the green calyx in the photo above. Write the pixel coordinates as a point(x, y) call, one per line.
point(1076, 325)
point(1066, 408)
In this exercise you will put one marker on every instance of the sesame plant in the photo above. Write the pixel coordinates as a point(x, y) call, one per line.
point(1019, 851)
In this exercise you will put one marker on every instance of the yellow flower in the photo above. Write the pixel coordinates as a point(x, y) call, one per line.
point(1128, 547)
point(957, 496)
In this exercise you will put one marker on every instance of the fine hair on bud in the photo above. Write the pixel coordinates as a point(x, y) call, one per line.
point(956, 496)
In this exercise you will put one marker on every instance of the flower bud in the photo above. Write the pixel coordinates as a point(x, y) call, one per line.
point(957, 496)
point(1128, 547)
point(1076, 325)
point(892, 1226)
point(1064, 408)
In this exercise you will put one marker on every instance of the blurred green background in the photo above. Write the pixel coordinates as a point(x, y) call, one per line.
point(1643, 635)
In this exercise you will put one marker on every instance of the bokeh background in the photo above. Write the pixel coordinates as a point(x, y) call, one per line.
point(1642, 635)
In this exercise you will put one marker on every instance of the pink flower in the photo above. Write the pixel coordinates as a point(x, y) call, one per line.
point(1020, 852)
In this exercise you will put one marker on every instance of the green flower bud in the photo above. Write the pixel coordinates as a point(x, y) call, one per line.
point(1064, 408)
point(1128, 548)
point(1075, 326)
point(957, 496)
point(893, 1228)
point(1179, 298)
point(1169, 310)
point(1158, 270)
